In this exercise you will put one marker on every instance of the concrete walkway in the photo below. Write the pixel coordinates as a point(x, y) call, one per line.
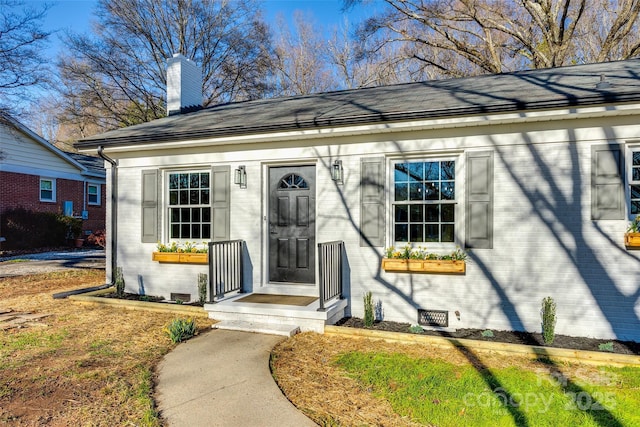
point(222, 378)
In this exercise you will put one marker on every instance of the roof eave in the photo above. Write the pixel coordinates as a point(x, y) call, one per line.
point(600, 98)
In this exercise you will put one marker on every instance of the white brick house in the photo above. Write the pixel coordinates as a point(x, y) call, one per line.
point(536, 174)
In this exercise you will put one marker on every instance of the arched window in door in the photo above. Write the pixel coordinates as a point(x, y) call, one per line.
point(293, 182)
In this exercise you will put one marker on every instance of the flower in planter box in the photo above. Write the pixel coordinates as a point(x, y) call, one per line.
point(187, 247)
point(420, 253)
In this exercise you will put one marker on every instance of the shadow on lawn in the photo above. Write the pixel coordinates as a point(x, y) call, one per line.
point(580, 398)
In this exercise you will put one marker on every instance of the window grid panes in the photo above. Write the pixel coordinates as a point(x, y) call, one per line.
point(189, 205)
point(424, 201)
point(93, 194)
point(635, 182)
point(46, 190)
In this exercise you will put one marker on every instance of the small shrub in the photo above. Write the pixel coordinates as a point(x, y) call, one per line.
point(202, 287)
point(181, 330)
point(368, 310)
point(25, 229)
point(607, 346)
point(98, 238)
point(119, 282)
point(548, 314)
point(379, 311)
point(488, 333)
point(416, 329)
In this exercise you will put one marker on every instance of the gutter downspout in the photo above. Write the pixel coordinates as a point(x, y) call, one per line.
point(114, 210)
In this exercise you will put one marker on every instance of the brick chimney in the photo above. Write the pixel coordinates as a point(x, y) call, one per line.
point(184, 85)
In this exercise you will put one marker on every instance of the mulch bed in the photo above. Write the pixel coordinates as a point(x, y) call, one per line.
point(512, 337)
point(133, 297)
point(145, 298)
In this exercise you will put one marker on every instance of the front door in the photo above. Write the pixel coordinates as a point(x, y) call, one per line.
point(292, 239)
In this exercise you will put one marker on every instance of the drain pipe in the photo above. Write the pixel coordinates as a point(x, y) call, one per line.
point(114, 210)
point(113, 234)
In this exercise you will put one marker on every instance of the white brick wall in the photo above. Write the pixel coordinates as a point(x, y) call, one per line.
point(545, 243)
point(184, 84)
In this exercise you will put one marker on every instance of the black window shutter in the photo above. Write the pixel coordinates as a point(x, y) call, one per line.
point(150, 193)
point(479, 203)
point(372, 221)
point(220, 203)
point(607, 182)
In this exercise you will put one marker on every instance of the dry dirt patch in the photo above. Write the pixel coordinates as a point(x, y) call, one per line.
point(89, 366)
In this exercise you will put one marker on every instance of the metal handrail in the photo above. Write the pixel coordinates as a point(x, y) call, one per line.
point(225, 268)
point(330, 271)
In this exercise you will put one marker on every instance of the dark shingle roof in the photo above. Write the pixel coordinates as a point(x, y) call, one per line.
point(526, 90)
point(95, 165)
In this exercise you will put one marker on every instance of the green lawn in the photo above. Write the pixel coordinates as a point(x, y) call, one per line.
point(435, 392)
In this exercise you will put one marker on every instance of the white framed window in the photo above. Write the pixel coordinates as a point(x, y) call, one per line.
point(189, 205)
point(93, 194)
point(47, 190)
point(424, 202)
point(634, 181)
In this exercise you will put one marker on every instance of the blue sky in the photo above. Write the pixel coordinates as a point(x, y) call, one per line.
point(76, 15)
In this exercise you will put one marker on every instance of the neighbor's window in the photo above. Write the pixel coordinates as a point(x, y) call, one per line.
point(93, 194)
point(635, 182)
point(47, 190)
point(189, 205)
point(424, 201)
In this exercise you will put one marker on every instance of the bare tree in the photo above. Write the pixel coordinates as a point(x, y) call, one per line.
point(466, 37)
point(22, 41)
point(300, 64)
point(117, 77)
point(367, 62)
point(610, 32)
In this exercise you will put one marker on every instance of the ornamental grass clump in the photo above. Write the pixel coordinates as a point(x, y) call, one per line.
point(202, 287)
point(119, 282)
point(548, 314)
point(368, 310)
point(180, 329)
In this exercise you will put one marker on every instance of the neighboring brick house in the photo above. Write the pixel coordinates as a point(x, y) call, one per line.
point(37, 176)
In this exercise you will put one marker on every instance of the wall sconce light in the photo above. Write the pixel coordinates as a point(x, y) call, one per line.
point(337, 173)
point(241, 177)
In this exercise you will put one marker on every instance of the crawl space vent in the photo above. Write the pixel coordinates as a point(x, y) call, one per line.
point(433, 318)
point(181, 297)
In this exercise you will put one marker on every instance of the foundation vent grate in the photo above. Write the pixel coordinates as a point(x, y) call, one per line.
point(433, 318)
point(180, 297)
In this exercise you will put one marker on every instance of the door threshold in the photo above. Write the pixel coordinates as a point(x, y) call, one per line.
point(287, 289)
point(290, 284)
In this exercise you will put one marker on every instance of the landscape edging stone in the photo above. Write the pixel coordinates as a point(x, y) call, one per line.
point(584, 356)
point(95, 299)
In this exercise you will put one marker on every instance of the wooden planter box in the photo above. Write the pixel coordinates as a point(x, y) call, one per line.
point(632, 240)
point(423, 266)
point(181, 257)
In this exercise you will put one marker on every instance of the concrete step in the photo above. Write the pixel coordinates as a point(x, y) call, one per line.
point(307, 318)
point(257, 327)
